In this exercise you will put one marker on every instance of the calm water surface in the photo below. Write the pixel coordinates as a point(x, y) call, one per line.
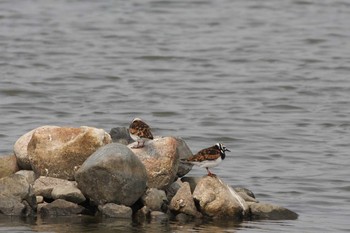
point(269, 79)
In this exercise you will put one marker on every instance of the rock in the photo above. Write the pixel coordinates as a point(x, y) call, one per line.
point(172, 189)
point(112, 174)
point(10, 205)
point(68, 193)
point(184, 153)
point(43, 186)
point(29, 175)
point(121, 135)
point(143, 214)
point(21, 145)
point(60, 208)
point(115, 211)
point(14, 185)
point(244, 190)
point(159, 216)
point(161, 159)
point(193, 181)
point(8, 165)
point(154, 199)
point(260, 211)
point(216, 200)
point(183, 202)
point(39, 199)
point(58, 151)
point(14, 191)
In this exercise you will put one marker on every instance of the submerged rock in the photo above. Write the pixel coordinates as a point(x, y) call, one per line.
point(58, 151)
point(60, 208)
point(8, 165)
point(113, 174)
point(260, 211)
point(115, 211)
point(161, 159)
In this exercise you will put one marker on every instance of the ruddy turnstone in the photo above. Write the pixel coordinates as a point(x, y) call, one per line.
point(209, 157)
point(140, 132)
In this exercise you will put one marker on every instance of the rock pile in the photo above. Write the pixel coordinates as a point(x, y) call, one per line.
point(70, 171)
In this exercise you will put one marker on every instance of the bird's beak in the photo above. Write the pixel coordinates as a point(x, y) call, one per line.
point(228, 150)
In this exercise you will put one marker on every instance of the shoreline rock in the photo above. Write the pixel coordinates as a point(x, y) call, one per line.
point(116, 171)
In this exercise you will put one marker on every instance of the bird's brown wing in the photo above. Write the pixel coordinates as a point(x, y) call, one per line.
point(141, 129)
point(206, 154)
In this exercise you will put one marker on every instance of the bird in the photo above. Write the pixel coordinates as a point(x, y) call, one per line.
point(208, 157)
point(139, 131)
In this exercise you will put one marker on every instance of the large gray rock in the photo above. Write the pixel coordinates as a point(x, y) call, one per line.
point(8, 165)
point(43, 186)
point(112, 174)
point(57, 152)
point(115, 211)
point(21, 147)
point(184, 152)
point(68, 193)
point(60, 208)
point(161, 159)
point(217, 200)
point(121, 135)
point(183, 202)
point(260, 211)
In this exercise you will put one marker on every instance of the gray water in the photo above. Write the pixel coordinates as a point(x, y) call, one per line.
point(269, 79)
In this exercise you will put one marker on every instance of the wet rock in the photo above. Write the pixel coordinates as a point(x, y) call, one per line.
point(8, 165)
point(154, 199)
point(121, 135)
point(216, 199)
point(184, 153)
point(159, 216)
point(43, 186)
point(260, 211)
point(183, 202)
point(28, 174)
point(21, 145)
point(60, 208)
point(246, 194)
point(143, 214)
point(244, 190)
point(113, 174)
point(68, 193)
point(57, 152)
point(115, 211)
point(161, 159)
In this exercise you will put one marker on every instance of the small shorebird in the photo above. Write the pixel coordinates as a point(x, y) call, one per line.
point(209, 157)
point(140, 132)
